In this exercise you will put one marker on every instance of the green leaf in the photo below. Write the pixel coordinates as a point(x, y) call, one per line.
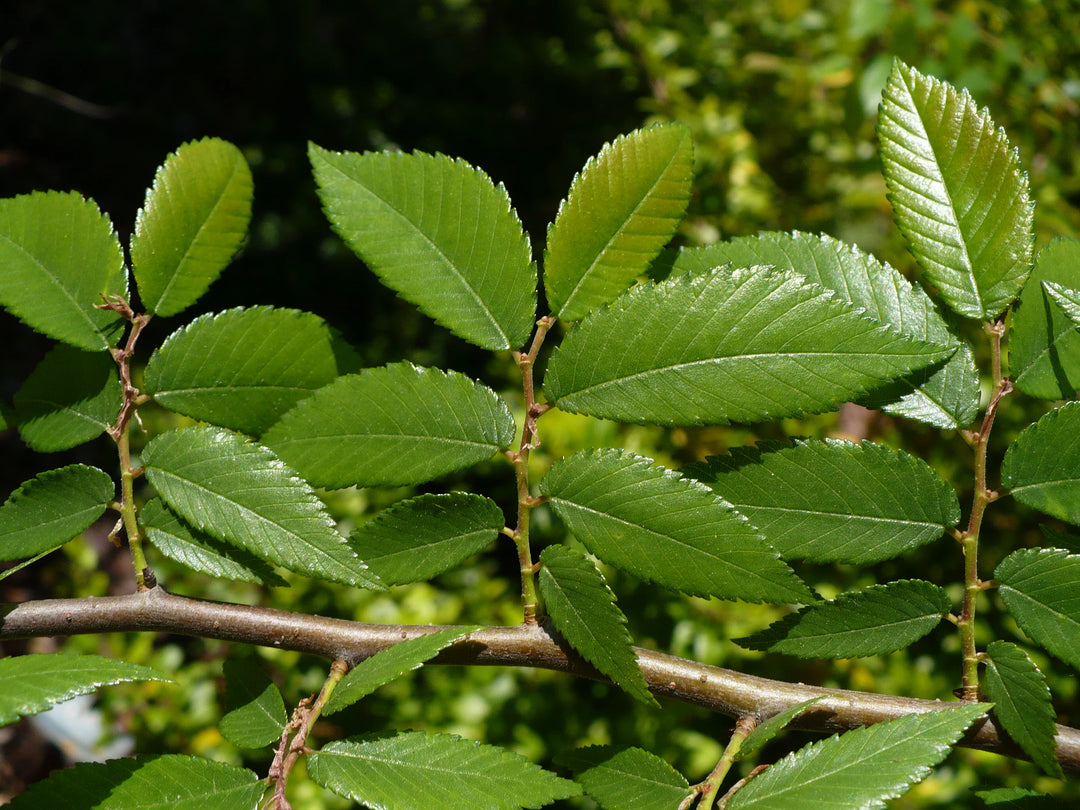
point(60, 254)
point(622, 208)
point(439, 233)
point(619, 778)
point(392, 426)
point(422, 771)
point(832, 500)
point(417, 539)
point(1066, 298)
point(35, 683)
point(1018, 798)
point(764, 733)
point(862, 768)
point(47, 511)
point(583, 608)
point(1044, 343)
point(1041, 589)
point(1022, 703)
point(960, 197)
point(244, 368)
point(255, 710)
point(946, 395)
point(201, 552)
point(71, 397)
point(390, 664)
point(746, 345)
point(192, 224)
point(874, 621)
point(1057, 538)
point(167, 782)
point(242, 493)
point(666, 529)
point(1042, 467)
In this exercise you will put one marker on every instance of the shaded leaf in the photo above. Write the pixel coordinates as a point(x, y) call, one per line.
point(1057, 538)
point(583, 608)
point(862, 768)
point(422, 771)
point(242, 493)
point(765, 732)
point(666, 529)
point(390, 664)
point(832, 500)
point(71, 397)
point(622, 208)
point(874, 621)
point(417, 539)
point(727, 345)
point(47, 511)
point(619, 778)
point(244, 368)
point(193, 222)
point(439, 233)
point(166, 782)
point(201, 552)
point(392, 426)
point(1018, 798)
point(1042, 467)
point(255, 710)
point(34, 683)
point(960, 197)
point(60, 254)
point(1044, 343)
point(1041, 589)
point(1022, 703)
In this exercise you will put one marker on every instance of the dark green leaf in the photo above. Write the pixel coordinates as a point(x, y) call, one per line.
point(1018, 798)
point(832, 500)
point(666, 529)
point(960, 197)
point(874, 621)
point(244, 368)
point(1022, 703)
point(619, 778)
point(622, 209)
point(255, 710)
point(1042, 467)
point(389, 665)
point(47, 511)
point(193, 222)
point(242, 493)
point(863, 768)
point(583, 608)
point(764, 733)
point(34, 683)
point(70, 398)
point(746, 345)
point(422, 537)
point(1044, 343)
point(60, 254)
point(418, 771)
point(392, 426)
point(1057, 538)
point(439, 233)
point(1041, 589)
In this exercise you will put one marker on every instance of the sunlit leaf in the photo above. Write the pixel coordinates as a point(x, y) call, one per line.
point(1042, 467)
point(255, 710)
point(1066, 298)
point(193, 222)
point(666, 529)
point(620, 778)
point(960, 197)
point(1041, 589)
point(438, 232)
point(765, 732)
point(391, 426)
point(60, 254)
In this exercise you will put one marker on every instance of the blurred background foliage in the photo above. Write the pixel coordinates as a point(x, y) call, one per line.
point(782, 97)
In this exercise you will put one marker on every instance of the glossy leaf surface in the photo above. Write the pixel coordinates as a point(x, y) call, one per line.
point(392, 426)
point(622, 208)
point(1041, 589)
point(626, 777)
point(193, 222)
point(439, 233)
point(771, 728)
point(60, 254)
point(1042, 467)
point(666, 529)
point(833, 500)
point(1022, 703)
point(960, 197)
point(740, 345)
point(1066, 298)
point(255, 710)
